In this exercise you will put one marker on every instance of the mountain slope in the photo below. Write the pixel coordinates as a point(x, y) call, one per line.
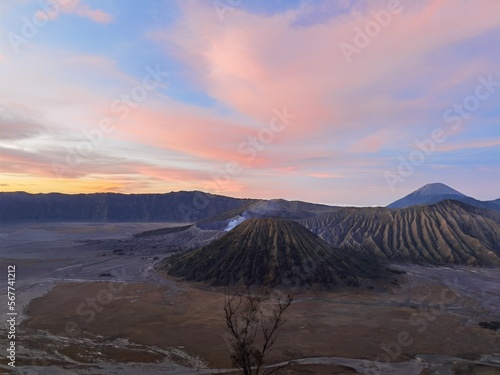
point(270, 252)
point(427, 194)
point(437, 192)
point(180, 206)
point(449, 232)
point(273, 208)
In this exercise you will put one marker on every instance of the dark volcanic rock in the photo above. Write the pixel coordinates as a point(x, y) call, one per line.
point(494, 326)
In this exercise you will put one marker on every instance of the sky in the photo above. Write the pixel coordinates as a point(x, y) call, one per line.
point(348, 102)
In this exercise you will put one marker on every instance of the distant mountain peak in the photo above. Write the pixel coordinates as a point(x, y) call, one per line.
point(437, 188)
point(437, 192)
point(428, 194)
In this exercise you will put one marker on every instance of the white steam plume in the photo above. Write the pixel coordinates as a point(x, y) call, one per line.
point(234, 222)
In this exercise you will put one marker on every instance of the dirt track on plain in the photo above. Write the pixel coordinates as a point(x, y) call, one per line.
point(351, 324)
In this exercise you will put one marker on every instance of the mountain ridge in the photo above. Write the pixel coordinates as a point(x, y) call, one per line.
point(180, 206)
point(437, 192)
point(187, 206)
point(448, 232)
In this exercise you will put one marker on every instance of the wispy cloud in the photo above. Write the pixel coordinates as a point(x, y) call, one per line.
point(352, 120)
point(473, 144)
point(78, 8)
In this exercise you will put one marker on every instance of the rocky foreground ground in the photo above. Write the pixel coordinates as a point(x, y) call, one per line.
point(144, 323)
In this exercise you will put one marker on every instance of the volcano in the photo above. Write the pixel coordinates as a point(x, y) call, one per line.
point(271, 252)
point(438, 192)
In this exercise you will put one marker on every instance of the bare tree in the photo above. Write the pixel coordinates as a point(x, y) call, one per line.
point(253, 322)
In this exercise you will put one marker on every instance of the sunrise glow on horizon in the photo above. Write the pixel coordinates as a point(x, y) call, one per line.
point(346, 102)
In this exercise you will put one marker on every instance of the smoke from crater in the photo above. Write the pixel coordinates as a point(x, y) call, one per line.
point(234, 222)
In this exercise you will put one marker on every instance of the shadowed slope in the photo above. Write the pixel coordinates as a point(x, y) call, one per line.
point(270, 252)
point(181, 207)
point(449, 232)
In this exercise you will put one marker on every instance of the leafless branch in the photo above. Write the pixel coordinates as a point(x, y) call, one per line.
point(253, 321)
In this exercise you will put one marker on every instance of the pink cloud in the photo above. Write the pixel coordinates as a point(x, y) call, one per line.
point(254, 63)
point(94, 60)
point(197, 133)
point(287, 170)
point(325, 175)
point(372, 144)
point(79, 8)
point(485, 143)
